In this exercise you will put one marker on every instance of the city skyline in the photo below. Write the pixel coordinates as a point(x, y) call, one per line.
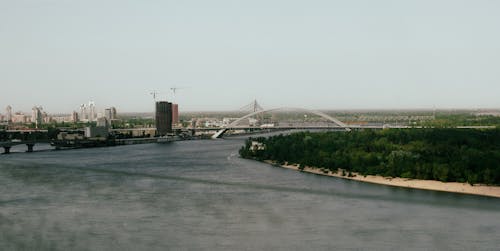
point(86, 113)
point(221, 55)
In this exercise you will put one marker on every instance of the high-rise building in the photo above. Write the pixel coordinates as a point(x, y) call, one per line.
point(102, 122)
point(113, 112)
point(83, 112)
point(110, 113)
point(36, 116)
point(33, 114)
point(163, 118)
point(8, 115)
point(74, 117)
point(92, 114)
point(46, 118)
point(175, 113)
point(107, 113)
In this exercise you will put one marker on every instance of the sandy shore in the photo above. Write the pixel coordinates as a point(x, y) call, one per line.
point(454, 187)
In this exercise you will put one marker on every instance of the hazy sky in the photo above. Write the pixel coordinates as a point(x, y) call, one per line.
point(313, 54)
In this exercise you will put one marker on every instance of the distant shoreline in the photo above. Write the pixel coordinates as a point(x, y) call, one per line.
point(433, 185)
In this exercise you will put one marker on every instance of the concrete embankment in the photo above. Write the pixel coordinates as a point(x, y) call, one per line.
point(135, 141)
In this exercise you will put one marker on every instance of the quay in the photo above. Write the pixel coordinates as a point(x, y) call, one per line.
point(88, 143)
point(82, 143)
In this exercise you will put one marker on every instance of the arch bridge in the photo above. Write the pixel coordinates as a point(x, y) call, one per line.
point(234, 124)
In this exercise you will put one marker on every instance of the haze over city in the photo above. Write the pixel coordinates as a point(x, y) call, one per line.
point(249, 125)
point(315, 54)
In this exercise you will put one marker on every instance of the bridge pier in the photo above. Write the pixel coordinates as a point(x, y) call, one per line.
point(6, 149)
point(30, 147)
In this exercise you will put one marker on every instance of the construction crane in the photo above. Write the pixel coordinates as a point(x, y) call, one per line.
point(174, 90)
point(154, 93)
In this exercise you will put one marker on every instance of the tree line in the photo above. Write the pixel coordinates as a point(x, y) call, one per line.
point(449, 155)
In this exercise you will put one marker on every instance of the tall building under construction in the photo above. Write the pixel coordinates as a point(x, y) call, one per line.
point(175, 113)
point(163, 118)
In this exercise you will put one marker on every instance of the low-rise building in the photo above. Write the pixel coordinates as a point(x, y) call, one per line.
point(96, 132)
point(69, 136)
point(19, 117)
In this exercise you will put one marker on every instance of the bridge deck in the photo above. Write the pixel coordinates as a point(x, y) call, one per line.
point(22, 142)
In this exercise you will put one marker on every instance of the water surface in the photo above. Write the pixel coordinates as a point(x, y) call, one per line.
point(200, 195)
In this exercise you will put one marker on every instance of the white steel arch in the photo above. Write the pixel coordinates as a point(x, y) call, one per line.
point(321, 114)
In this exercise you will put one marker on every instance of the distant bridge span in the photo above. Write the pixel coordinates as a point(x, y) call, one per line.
point(321, 114)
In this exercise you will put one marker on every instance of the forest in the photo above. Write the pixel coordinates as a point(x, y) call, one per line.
point(448, 155)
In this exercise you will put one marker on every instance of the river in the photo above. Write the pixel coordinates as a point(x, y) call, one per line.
point(194, 195)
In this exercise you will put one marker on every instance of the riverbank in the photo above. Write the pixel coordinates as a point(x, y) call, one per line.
point(434, 185)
